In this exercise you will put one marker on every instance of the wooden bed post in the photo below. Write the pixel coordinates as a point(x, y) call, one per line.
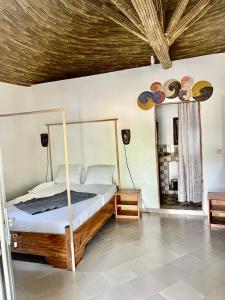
point(68, 248)
point(117, 153)
point(50, 152)
point(68, 192)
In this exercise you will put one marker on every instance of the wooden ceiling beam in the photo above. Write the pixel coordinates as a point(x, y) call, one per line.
point(176, 16)
point(118, 18)
point(197, 12)
point(160, 13)
point(130, 13)
point(157, 40)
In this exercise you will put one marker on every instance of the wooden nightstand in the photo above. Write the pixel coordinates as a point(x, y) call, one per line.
point(127, 204)
point(216, 209)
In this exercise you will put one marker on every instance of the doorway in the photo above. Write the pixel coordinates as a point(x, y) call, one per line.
point(179, 156)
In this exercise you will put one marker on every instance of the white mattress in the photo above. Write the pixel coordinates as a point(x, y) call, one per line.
point(55, 221)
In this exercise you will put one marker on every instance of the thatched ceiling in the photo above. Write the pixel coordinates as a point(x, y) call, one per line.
point(46, 40)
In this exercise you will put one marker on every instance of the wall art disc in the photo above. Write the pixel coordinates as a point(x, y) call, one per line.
point(202, 90)
point(187, 82)
point(185, 94)
point(155, 87)
point(171, 88)
point(145, 100)
point(158, 97)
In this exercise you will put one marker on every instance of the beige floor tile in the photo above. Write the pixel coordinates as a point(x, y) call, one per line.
point(216, 270)
point(93, 252)
point(113, 259)
point(218, 294)
point(52, 283)
point(188, 264)
point(88, 287)
point(158, 258)
point(112, 245)
point(120, 275)
point(140, 266)
point(204, 282)
point(159, 255)
point(151, 244)
point(26, 272)
point(181, 291)
point(101, 297)
point(208, 255)
point(147, 285)
point(156, 297)
point(176, 249)
point(123, 292)
point(168, 274)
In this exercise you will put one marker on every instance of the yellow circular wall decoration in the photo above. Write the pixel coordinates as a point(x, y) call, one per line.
point(145, 101)
point(202, 90)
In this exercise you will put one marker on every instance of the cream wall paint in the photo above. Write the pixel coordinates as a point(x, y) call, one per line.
point(114, 95)
point(106, 96)
point(17, 140)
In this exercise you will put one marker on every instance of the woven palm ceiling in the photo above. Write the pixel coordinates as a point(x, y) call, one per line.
point(47, 40)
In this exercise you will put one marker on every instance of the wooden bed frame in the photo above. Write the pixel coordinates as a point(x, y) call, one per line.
point(56, 247)
point(64, 250)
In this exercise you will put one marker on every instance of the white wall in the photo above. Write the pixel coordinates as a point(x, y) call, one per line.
point(106, 96)
point(115, 94)
point(164, 117)
point(17, 140)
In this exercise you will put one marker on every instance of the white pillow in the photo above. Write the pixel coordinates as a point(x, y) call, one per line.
point(74, 173)
point(41, 187)
point(100, 174)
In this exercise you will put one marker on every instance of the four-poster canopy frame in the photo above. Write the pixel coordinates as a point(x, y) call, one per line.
point(65, 142)
point(59, 249)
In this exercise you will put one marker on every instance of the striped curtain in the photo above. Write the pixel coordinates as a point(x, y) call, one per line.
point(190, 162)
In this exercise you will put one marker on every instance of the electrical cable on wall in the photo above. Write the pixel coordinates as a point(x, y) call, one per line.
point(45, 144)
point(128, 168)
point(126, 140)
point(131, 178)
point(46, 177)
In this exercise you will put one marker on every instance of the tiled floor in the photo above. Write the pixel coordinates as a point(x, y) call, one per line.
point(160, 257)
point(170, 201)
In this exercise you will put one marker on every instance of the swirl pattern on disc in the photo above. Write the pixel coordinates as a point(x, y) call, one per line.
point(187, 82)
point(171, 88)
point(202, 90)
point(185, 94)
point(158, 97)
point(145, 100)
point(156, 87)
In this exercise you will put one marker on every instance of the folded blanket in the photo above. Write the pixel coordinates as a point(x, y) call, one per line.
point(40, 205)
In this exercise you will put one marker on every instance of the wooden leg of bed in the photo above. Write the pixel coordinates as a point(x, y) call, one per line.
point(79, 250)
point(68, 248)
point(79, 254)
point(57, 262)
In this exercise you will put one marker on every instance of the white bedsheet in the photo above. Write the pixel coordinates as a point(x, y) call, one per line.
point(55, 221)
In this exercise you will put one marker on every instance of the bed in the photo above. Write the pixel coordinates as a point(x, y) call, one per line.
point(47, 234)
